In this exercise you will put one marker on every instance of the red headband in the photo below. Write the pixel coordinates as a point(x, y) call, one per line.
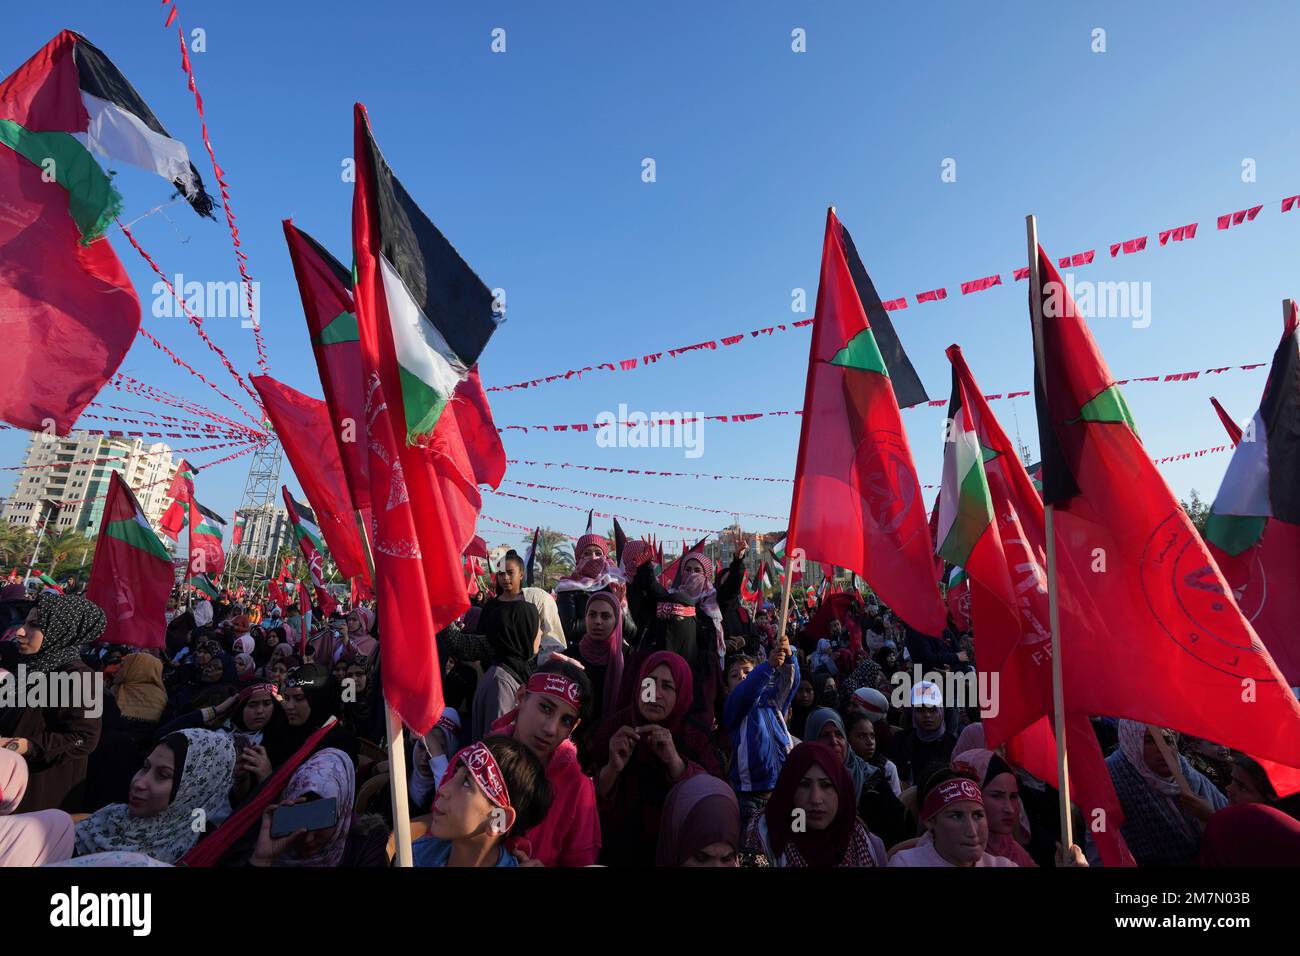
point(262, 687)
point(482, 766)
point(557, 686)
point(950, 791)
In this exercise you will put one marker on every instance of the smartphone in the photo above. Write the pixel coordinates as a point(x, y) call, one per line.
point(242, 742)
point(319, 814)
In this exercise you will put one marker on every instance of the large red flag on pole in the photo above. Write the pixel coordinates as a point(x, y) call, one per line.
point(423, 318)
point(857, 501)
point(1149, 629)
point(133, 575)
point(302, 424)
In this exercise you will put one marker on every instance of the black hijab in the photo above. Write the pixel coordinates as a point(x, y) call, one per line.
point(511, 627)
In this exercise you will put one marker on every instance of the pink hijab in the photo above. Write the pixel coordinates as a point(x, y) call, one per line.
point(29, 839)
point(607, 654)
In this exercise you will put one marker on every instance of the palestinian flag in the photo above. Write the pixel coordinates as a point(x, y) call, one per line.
point(206, 553)
point(203, 584)
point(45, 579)
point(1002, 595)
point(440, 315)
point(68, 311)
point(1149, 627)
point(966, 531)
point(237, 535)
point(424, 318)
point(1254, 523)
point(132, 576)
point(182, 493)
point(312, 545)
point(857, 501)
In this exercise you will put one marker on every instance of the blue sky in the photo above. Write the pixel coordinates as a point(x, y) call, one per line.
point(530, 161)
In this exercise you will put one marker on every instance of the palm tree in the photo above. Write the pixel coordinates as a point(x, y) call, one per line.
point(551, 555)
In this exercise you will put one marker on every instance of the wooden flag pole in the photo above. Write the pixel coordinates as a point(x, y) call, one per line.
point(1058, 689)
point(395, 733)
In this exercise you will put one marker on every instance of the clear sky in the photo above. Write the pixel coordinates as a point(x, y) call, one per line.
point(531, 162)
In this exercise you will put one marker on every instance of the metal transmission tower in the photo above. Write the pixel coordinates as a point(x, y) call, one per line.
point(261, 488)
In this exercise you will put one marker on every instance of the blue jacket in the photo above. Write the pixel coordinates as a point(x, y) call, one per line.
point(754, 714)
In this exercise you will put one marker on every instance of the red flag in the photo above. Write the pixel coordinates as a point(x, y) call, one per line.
point(181, 492)
point(306, 530)
point(68, 311)
point(1233, 429)
point(133, 575)
point(277, 595)
point(326, 290)
point(302, 424)
point(857, 501)
point(1149, 628)
point(207, 557)
point(406, 269)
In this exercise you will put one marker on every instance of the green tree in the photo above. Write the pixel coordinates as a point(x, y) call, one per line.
point(554, 557)
point(1197, 510)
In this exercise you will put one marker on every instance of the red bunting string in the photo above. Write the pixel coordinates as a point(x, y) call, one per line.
point(177, 360)
point(1088, 257)
point(100, 461)
point(197, 468)
point(936, 403)
point(601, 514)
point(209, 431)
point(240, 258)
point(133, 386)
point(643, 501)
point(195, 321)
point(234, 429)
point(523, 527)
point(643, 471)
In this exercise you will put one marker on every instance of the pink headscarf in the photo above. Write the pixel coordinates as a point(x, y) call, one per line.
point(608, 654)
point(971, 738)
point(681, 672)
point(699, 811)
point(327, 773)
point(13, 781)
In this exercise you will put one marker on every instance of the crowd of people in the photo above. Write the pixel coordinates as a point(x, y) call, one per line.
point(632, 716)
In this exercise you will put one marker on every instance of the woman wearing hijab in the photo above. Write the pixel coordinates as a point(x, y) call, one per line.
point(130, 719)
point(593, 572)
point(956, 826)
point(1001, 791)
point(805, 702)
point(1162, 823)
point(361, 625)
point(309, 699)
point(55, 741)
point(188, 771)
point(1250, 834)
point(701, 825)
point(640, 752)
point(601, 652)
point(811, 819)
point(327, 773)
point(28, 839)
point(822, 659)
point(686, 619)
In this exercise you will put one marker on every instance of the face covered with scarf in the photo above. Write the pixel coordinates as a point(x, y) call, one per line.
point(190, 770)
point(697, 579)
point(55, 631)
